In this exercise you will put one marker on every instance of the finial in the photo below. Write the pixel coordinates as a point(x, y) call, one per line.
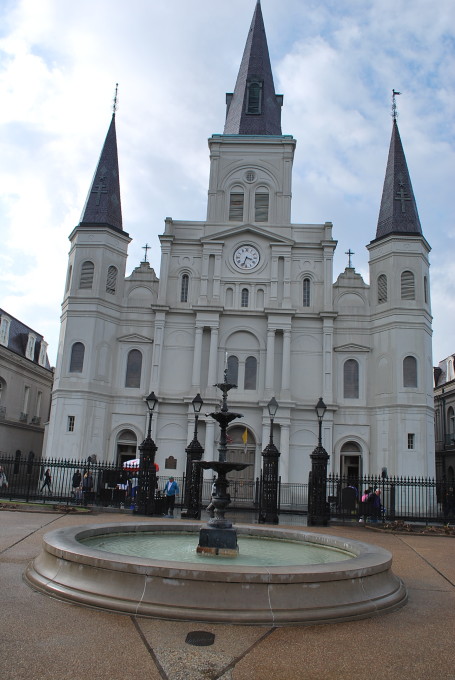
point(146, 248)
point(115, 100)
point(394, 104)
point(349, 253)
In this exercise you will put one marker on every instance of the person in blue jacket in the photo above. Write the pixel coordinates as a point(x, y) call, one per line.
point(170, 491)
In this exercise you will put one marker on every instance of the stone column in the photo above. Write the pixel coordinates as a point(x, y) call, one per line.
point(197, 358)
point(270, 362)
point(286, 367)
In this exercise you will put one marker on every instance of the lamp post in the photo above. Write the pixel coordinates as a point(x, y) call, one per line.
point(268, 508)
point(147, 470)
point(193, 476)
point(318, 508)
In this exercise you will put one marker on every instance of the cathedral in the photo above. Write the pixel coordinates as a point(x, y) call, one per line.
point(250, 293)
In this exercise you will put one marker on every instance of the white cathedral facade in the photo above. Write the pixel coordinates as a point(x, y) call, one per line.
point(248, 290)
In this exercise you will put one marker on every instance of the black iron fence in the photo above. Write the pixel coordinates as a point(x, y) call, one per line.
point(106, 485)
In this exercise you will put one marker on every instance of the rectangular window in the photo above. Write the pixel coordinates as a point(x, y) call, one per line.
point(71, 420)
point(411, 438)
point(261, 207)
point(236, 207)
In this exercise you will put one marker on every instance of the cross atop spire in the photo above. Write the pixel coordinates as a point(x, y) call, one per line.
point(254, 108)
point(103, 201)
point(398, 211)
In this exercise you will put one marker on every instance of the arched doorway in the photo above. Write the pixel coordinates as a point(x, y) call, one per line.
point(241, 449)
point(351, 460)
point(126, 446)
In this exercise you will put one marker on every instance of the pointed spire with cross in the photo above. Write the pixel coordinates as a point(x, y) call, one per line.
point(146, 248)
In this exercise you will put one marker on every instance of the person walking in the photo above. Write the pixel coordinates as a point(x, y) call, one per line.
point(76, 482)
point(170, 491)
point(47, 482)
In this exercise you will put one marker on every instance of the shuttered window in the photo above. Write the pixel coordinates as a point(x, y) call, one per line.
point(261, 207)
point(382, 288)
point(351, 379)
point(245, 297)
point(250, 373)
point(409, 372)
point(133, 368)
point(232, 369)
point(306, 292)
point(87, 271)
point(236, 207)
point(407, 286)
point(253, 104)
point(184, 285)
point(77, 358)
point(111, 281)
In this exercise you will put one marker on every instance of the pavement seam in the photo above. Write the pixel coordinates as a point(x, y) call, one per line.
point(429, 563)
point(30, 534)
point(235, 661)
point(149, 648)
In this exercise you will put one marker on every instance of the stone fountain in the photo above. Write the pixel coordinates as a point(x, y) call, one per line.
point(219, 537)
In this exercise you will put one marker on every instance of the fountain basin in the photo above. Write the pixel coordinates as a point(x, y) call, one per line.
point(356, 588)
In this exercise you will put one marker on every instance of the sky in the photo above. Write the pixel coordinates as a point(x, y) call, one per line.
point(335, 61)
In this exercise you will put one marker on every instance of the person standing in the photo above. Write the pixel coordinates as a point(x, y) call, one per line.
point(3, 480)
point(87, 486)
point(170, 491)
point(47, 482)
point(77, 478)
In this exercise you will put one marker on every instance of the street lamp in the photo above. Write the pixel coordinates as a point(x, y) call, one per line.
point(318, 509)
point(147, 469)
point(193, 475)
point(268, 507)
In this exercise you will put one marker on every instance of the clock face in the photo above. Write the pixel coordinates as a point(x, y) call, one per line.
point(246, 257)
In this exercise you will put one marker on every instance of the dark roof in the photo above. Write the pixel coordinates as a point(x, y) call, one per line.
point(18, 338)
point(103, 206)
point(255, 66)
point(398, 213)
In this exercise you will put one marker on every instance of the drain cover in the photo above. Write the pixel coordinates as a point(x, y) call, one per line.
point(200, 638)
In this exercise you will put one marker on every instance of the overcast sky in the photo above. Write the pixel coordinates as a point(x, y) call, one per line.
point(335, 61)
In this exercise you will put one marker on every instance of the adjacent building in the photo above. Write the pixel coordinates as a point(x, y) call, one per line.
point(248, 291)
point(25, 389)
point(444, 405)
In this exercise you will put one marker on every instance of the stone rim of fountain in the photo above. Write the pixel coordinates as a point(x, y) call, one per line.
point(308, 594)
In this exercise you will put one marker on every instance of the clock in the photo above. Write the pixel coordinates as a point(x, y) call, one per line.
point(246, 257)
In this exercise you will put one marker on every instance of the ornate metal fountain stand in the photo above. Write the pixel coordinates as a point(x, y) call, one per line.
point(219, 537)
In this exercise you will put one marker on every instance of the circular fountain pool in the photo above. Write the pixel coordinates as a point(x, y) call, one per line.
point(359, 582)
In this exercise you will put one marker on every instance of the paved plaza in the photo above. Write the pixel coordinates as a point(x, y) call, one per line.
point(45, 639)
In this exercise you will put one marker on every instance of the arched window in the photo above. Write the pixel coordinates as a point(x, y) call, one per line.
point(382, 288)
point(261, 206)
point(253, 103)
point(407, 286)
point(133, 369)
point(236, 201)
point(351, 379)
point(229, 297)
point(306, 292)
point(111, 281)
point(409, 372)
point(451, 423)
point(87, 272)
point(77, 357)
point(232, 369)
point(245, 297)
point(184, 286)
point(250, 373)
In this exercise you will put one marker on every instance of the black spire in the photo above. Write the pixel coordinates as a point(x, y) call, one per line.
point(254, 108)
point(398, 213)
point(103, 201)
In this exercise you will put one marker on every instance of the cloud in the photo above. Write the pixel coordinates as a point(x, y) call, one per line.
point(336, 64)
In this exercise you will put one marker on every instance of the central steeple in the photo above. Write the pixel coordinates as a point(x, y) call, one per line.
point(254, 108)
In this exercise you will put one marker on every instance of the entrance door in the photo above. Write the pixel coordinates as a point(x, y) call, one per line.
point(351, 461)
point(241, 452)
point(126, 446)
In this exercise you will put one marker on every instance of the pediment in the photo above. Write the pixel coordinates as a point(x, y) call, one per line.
point(134, 337)
point(248, 230)
point(351, 348)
